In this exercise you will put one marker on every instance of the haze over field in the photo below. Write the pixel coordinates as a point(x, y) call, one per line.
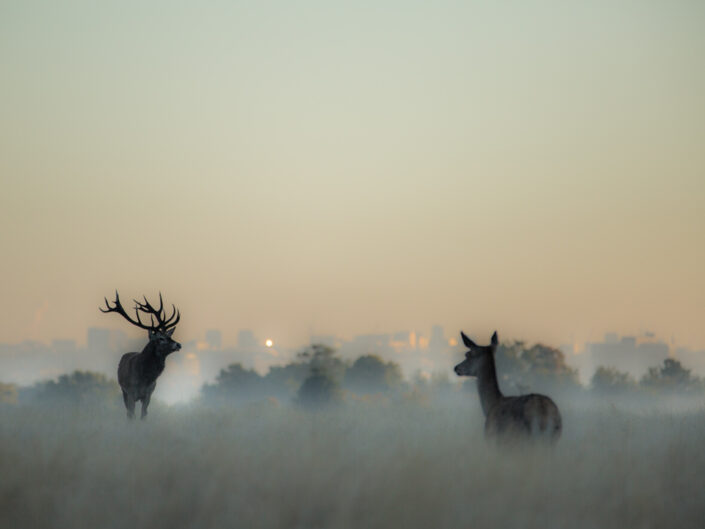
point(329, 192)
point(363, 466)
point(318, 168)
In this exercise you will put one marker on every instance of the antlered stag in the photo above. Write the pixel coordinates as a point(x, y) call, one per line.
point(526, 416)
point(138, 372)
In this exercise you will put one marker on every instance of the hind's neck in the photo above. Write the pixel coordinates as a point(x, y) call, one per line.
point(487, 386)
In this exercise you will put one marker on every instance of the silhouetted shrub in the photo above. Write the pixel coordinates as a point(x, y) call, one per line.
point(283, 382)
point(370, 374)
point(319, 390)
point(323, 359)
point(322, 384)
point(523, 369)
point(312, 365)
point(672, 376)
point(80, 388)
point(608, 380)
point(235, 384)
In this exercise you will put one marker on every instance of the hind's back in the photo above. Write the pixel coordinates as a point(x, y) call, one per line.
point(534, 415)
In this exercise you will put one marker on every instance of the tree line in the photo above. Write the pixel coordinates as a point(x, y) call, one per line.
point(318, 376)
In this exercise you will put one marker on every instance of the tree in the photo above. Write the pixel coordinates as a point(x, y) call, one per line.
point(534, 368)
point(549, 363)
point(370, 374)
point(321, 387)
point(323, 358)
point(608, 380)
point(672, 376)
point(319, 390)
point(235, 383)
point(283, 382)
point(80, 388)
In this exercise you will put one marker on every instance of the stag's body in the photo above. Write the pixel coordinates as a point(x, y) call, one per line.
point(138, 372)
point(137, 376)
point(530, 416)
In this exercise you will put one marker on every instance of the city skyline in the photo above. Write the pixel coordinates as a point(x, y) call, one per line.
point(420, 336)
point(613, 349)
point(428, 354)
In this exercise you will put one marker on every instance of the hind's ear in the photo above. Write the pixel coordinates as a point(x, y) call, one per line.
point(495, 340)
point(467, 341)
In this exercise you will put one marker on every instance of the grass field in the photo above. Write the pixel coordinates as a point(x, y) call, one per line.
point(376, 465)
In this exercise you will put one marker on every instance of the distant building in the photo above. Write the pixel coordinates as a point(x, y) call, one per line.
point(656, 352)
point(690, 359)
point(611, 337)
point(403, 337)
point(628, 341)
point(214, 339)
point(568, 349)
point(63, 346)
point(104, 340)
point(437, 341)
point(98, 339)
point(246, 339)
point(627, 354)
point(371, 343)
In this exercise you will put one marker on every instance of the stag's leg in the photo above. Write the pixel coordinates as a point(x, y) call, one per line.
point(129, 404)
point(145, 403)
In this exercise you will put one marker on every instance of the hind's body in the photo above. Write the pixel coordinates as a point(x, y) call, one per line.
point(533, 416)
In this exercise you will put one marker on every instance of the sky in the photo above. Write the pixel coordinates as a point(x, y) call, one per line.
point(344, 168)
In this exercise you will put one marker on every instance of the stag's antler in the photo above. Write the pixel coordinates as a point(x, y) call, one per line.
point(162, 323)
point(160, 315)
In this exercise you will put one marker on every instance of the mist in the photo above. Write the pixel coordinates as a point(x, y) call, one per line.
point(323, 441)
point(367, 464)
point(425, 353)
point(329, 193)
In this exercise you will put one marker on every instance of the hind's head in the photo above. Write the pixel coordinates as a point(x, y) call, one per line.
point(164, 345)
point(476, 357)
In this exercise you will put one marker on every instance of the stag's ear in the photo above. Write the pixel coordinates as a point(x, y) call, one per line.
point(467, 341)
point(151, 333)
point(170, 332)
point(495, 340)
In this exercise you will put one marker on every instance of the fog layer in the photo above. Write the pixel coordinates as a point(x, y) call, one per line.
point(365, 464)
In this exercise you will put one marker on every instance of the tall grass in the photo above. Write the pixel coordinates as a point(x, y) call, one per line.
point(376, 465)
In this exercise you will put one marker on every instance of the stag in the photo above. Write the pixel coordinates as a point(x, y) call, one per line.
point(530, 416)
point(138, 372)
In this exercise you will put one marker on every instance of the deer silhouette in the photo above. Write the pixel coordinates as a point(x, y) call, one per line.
point(530, 416)
point(138, 372)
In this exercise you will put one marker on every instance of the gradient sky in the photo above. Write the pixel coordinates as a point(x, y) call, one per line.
point(328, 167)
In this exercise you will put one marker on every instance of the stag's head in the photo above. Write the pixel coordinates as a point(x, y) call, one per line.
point(476, 357)
point(160, 328)
point(163, 343)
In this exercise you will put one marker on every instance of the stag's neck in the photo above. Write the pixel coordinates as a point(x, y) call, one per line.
point(152, 363)
point(488, 387)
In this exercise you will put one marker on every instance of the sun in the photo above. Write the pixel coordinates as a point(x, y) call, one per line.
point(269, 343)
